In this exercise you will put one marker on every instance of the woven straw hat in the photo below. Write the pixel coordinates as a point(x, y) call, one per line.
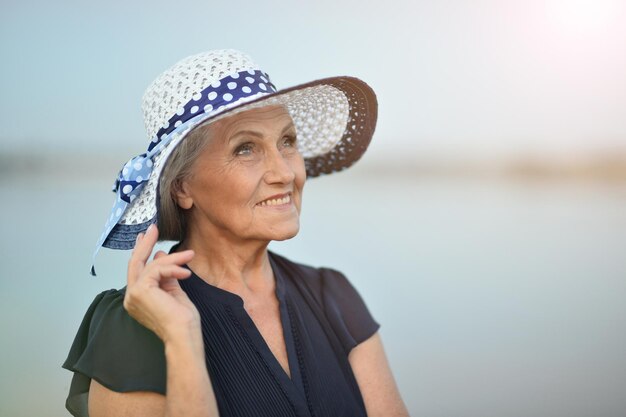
point(334, 120)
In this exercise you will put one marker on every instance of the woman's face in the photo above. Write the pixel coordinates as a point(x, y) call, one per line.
point(247, 182)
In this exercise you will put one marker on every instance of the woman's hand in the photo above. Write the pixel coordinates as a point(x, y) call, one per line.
point(154, 298)
point(153, 295)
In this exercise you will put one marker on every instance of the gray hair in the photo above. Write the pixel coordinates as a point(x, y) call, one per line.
point(172, 219)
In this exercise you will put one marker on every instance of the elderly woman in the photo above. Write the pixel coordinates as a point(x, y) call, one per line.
point(221, 325)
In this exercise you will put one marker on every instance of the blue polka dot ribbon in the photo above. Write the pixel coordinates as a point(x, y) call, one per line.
point(136, 172)
point(220, 93)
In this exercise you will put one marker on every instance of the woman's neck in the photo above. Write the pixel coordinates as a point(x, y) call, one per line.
point(242, 267)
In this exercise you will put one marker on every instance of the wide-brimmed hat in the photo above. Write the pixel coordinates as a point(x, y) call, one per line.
point(334, 120)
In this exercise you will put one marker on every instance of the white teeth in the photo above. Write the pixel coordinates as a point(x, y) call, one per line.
point(276, 201)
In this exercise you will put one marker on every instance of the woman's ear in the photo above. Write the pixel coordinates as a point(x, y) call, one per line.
point(181, 194)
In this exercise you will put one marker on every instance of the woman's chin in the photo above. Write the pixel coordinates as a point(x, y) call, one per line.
point(285, 237)
point(284, 233)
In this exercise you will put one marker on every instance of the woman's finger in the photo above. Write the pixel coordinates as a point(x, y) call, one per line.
point(170, 284)
point(133, 270)
point(143, 248)
point(145, 245)
point(155, 272)
point(151, 277)
point(176, 272)
point(177, 258)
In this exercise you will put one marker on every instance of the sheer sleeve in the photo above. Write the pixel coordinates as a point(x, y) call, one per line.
point(114, 349)
point(345, 309)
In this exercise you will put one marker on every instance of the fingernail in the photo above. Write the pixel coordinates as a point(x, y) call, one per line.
point(150, 227)
point(138, 237)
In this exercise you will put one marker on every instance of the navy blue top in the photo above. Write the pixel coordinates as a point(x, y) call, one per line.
point(323, 318)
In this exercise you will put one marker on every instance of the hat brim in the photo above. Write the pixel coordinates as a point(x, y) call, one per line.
point(358, 125)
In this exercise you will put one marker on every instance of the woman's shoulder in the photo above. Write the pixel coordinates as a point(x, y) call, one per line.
point(339, 300)
point(313, 274)
point(322, 278)
point(116, 350)
point(106, 319)
point(108, 302)
point(307, 277)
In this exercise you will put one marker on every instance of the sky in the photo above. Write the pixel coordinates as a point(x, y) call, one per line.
point(452, 77)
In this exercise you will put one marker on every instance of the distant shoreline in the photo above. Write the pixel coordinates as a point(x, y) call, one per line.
point(598, 166)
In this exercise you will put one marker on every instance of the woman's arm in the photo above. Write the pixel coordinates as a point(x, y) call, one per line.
point(155, 299)
point(377, 385)
point(189, 391)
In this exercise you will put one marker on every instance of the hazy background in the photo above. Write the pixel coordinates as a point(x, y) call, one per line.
point(485, 227)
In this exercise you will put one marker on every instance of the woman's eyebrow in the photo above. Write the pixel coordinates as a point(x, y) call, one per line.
point(255, 133)
point(288, 127)
point(246, 133)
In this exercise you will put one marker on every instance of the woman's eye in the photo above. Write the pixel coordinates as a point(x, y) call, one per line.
point(244, 149)
point(289, 140)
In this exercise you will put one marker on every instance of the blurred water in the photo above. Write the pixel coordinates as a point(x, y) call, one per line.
point(495, 298)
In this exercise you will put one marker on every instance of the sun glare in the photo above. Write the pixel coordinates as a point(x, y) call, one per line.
point(584, 16)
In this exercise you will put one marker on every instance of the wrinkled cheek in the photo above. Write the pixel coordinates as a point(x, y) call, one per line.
point(300, 188)
point(300, 172)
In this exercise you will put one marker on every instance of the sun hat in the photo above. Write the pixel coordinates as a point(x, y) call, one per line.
point(334, 119)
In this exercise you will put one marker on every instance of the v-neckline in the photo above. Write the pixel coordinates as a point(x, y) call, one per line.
point(291, 383)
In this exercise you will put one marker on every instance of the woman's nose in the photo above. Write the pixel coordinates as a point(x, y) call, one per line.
point(278, 169)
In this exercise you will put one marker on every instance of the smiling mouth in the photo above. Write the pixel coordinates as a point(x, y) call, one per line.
point(276, 201)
